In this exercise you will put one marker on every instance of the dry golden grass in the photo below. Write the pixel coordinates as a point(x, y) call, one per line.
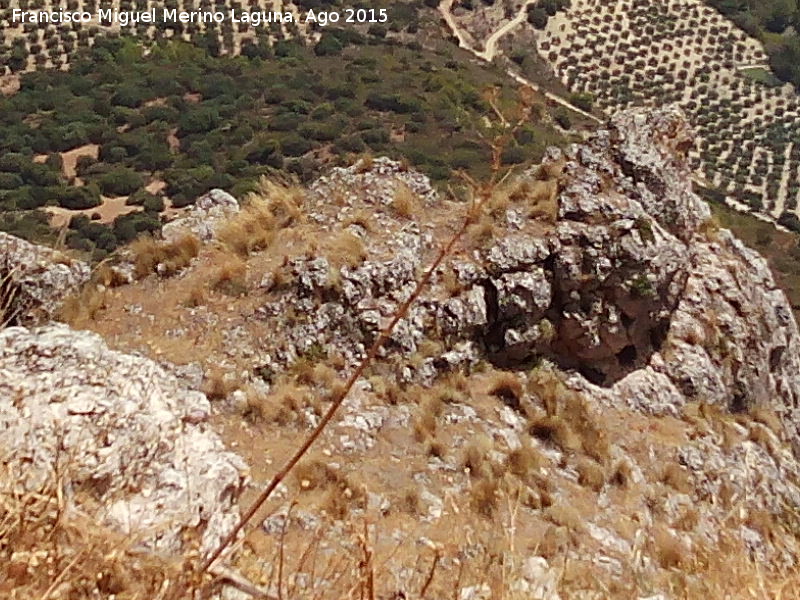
point(405, 203)
point(557, 431)
point(538, 197)
point(565, 515)
point(108, 276)
point(410, 501)
point(340, 493)
point(344, 249)
point(482, 233)
point(768, 417)
point(590, 474)
point(508, 388)
point(197, 295)
point(281, 406)
point(47, 552)
point(365, 163)
point(229, 275)
point(476, 457)
point(272, 207)
point(82, 307)
point(525, 460)
point(569, 423)
point(485, 496)
point(174, 256)
point(668, 548)
point(677, 477)
point(451, 283)
point(362, 218)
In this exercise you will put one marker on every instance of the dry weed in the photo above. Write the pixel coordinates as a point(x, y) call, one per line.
point(344, 249)
point(476, 457)
point(165, 257)
point(272, 207)
point(83, 306)
point(219, 383)
point(405, 203)
point(508, 388)
point(525, 460)
point(229, 276)
point(590, 474)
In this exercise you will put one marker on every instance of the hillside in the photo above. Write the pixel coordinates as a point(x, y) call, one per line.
point(401, 310)
point(596, 370)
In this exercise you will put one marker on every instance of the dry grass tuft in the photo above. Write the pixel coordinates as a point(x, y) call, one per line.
point(274, 206)
point(426, 421)
point(344, 249)
point(557, 431)
point(677, 477)
point(229, 276)
point(508, 388)
point(668, 549)
point(525, 460)
point(482, 233)
point(622, 474)
point(570, 422)
point(316, 474)
point(450, 282)
point(539, 197)
point(769, 418)
point(49, 552)
point(106, 275)
point(565, 515)
point(365, 164)
point(83, 306)
point(405, 203)
point(485, 496)
point(219, 383)
point(173, 256)
point(281, 406)
point(197, 295)
point(363, 219)
point(476, 457)
point(410, 501)
point(341, 494)
point(590, 474)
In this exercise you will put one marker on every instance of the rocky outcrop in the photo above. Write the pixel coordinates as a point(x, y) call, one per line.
point(125, 434)
point(203, 217)
point(633, 288)
point(34, 280)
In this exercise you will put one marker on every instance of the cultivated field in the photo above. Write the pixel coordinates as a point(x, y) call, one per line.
point(43, 45)
point(651, 52)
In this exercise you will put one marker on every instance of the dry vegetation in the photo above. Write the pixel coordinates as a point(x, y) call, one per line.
point(540, 494)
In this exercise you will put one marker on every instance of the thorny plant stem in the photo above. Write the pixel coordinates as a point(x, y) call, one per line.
point(484, 192)
point(399, 314)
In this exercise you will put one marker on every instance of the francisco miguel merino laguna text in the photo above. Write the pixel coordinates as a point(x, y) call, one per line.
point(172, 15)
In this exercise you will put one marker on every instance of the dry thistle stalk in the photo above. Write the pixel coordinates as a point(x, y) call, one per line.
point(481, 193)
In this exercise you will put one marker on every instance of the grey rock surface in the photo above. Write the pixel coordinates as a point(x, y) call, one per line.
point(39, 277)
point(632, 288)
point(123, 429)
point(203, 216)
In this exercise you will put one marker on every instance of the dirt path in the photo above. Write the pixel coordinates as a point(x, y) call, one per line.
point(490, 48)
point(490, 51)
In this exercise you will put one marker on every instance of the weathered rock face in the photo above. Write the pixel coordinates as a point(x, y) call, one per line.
point(122, 429)
point(203, 216)
point(632, 287)
point(34, 280)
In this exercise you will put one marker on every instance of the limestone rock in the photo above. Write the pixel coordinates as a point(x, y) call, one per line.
point(124, 429)
point(39, 278)
point(203, 216)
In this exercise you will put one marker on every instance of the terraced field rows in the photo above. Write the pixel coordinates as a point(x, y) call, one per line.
point(654, 52)
point(39, 45)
